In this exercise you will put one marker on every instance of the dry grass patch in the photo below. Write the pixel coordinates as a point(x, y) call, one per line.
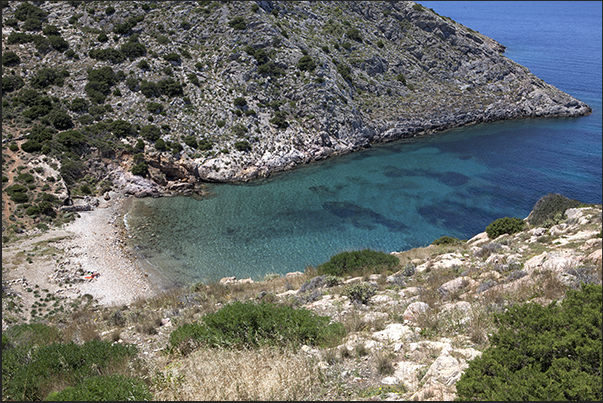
point(258, 374)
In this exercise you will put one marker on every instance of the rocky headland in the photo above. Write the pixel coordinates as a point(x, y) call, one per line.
point(251, 88)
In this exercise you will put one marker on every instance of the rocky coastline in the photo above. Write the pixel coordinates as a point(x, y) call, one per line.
point(292, 83)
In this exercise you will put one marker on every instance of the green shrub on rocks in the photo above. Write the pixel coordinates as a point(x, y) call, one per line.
point(10, 59)
point(242, 145)
point(446, 240)
point(551, 353)
point(354, 262)
point(359, 293)
point(141, 169)
point(249, 325)
point(306, 63)
point(506, 225)
point(237, 23)
point(549, 207)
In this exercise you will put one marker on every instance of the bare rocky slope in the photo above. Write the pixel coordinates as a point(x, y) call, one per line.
point(269, 85)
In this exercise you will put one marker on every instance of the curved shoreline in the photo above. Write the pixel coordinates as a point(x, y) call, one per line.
point(100, 237)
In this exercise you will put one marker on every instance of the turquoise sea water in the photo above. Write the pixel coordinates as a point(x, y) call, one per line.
point(401, 195)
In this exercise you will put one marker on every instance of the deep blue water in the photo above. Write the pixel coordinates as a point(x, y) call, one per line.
point(405, 194)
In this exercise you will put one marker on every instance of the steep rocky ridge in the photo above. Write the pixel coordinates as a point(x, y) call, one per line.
point(373, 72)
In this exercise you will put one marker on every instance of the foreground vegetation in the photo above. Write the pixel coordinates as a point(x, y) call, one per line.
point(312, 336)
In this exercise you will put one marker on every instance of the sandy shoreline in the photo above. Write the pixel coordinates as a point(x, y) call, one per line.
point(93, 243)
point(99, 246)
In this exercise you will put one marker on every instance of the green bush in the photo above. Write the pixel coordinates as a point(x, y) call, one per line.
point(141, 169)
point(170, 87)
point(154, 107)
point(71, 171)
point(27, 372)
point(359, 293)
point(240, 102)
point(79, 105)
point(150, 132)
point(133, 50)
point(32, 24)
point(160, 145)
point(279, 119)
point(109, 54)
point(506, 225)
point(19, 197)
point(172, 57)
point(99, 84)
point(10, 59)
point(12, 189)
point(11, 22)
point(47, 76)
point(104, 388)
point(102, 37)
point(344, 71)
point(120, 128)
point(32, 334)
point(11, 83)
point(51, 30)
point(243, 146)
point(25, 177)
point(32, 210)
point(194, 79)
point(353, 262)
point(41, 43)
point(190, 141)
point(549, 206)
point(551, 353)
point(149, 89)
point(237, 23)
point(204, 144)
point(239, 130)
point(354, 34)
point(18, 37)
point(31, 146)
point(249, 324)
point(446, 240)
point(271, 69)
point(306, 63)
point(60, 119)
point(27, 11)
point(58, 43)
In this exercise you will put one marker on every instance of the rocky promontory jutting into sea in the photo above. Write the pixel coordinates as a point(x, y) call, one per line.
point(257, 87)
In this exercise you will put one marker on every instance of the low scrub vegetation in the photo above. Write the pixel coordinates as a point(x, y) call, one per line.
point(36, 364)
point(505, 225)
point(551, 353)
point(249, 324)
point(355, 262)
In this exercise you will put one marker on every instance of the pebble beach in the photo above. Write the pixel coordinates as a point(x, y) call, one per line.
point(98, 246)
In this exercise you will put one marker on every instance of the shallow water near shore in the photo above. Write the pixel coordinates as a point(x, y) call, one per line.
point(400, 195)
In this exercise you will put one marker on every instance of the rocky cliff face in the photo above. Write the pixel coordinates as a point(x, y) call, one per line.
point(269, 85)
